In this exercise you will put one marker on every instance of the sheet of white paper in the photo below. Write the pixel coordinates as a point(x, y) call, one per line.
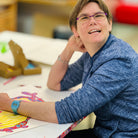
point(44, 94)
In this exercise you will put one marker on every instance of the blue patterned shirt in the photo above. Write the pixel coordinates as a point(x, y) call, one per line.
point(110, 90)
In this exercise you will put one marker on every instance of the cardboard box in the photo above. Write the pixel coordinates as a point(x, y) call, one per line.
point(8, 71)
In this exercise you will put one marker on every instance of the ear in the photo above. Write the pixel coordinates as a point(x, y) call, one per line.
point(74, 30)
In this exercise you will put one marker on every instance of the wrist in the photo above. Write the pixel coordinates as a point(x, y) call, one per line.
point(66, 55)
point(7, 105)
point(14, 106)
point(69, 48)
point(63, 61)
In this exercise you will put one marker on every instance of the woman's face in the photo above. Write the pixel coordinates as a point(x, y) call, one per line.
point(92, 25)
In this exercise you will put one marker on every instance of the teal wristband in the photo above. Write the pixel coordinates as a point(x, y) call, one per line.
point(14, 106)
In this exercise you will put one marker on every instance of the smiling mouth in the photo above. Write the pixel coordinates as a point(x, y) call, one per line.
point(94, 31)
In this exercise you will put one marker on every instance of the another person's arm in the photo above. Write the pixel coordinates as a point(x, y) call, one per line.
point(60, 67)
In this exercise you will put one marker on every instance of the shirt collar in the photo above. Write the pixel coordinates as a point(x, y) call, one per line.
point(101, 49)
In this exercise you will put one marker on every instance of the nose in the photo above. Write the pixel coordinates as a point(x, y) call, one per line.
point(92, 20)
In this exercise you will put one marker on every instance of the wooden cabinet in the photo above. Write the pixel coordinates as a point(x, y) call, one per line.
point(50, 2)
point(8, 15)
point(46, 14)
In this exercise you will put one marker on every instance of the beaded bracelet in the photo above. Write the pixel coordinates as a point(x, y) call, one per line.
point(59, 59)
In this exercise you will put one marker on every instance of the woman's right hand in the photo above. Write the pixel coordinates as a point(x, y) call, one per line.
point(75, 44)
point(60, 67)
point(5, 102)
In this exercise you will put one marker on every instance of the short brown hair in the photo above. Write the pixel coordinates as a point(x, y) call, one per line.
point(79, 6)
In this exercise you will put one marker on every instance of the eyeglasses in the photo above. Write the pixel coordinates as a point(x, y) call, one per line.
point(99, 16)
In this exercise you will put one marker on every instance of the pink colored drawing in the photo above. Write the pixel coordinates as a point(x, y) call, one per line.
point(12, 121)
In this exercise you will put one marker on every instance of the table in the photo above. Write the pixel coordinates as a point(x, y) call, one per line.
point(48, 130)
point(40, 49)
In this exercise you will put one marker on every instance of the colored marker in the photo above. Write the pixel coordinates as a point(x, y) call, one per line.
point(5, 83)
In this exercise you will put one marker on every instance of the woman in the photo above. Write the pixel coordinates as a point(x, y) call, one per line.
point(108, 71)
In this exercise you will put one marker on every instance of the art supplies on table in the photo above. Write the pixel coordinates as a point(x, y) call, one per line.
point(21, 64)
point(8, 71)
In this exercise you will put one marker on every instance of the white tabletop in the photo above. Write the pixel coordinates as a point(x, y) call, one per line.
point(40, 49)
point(47, 130)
